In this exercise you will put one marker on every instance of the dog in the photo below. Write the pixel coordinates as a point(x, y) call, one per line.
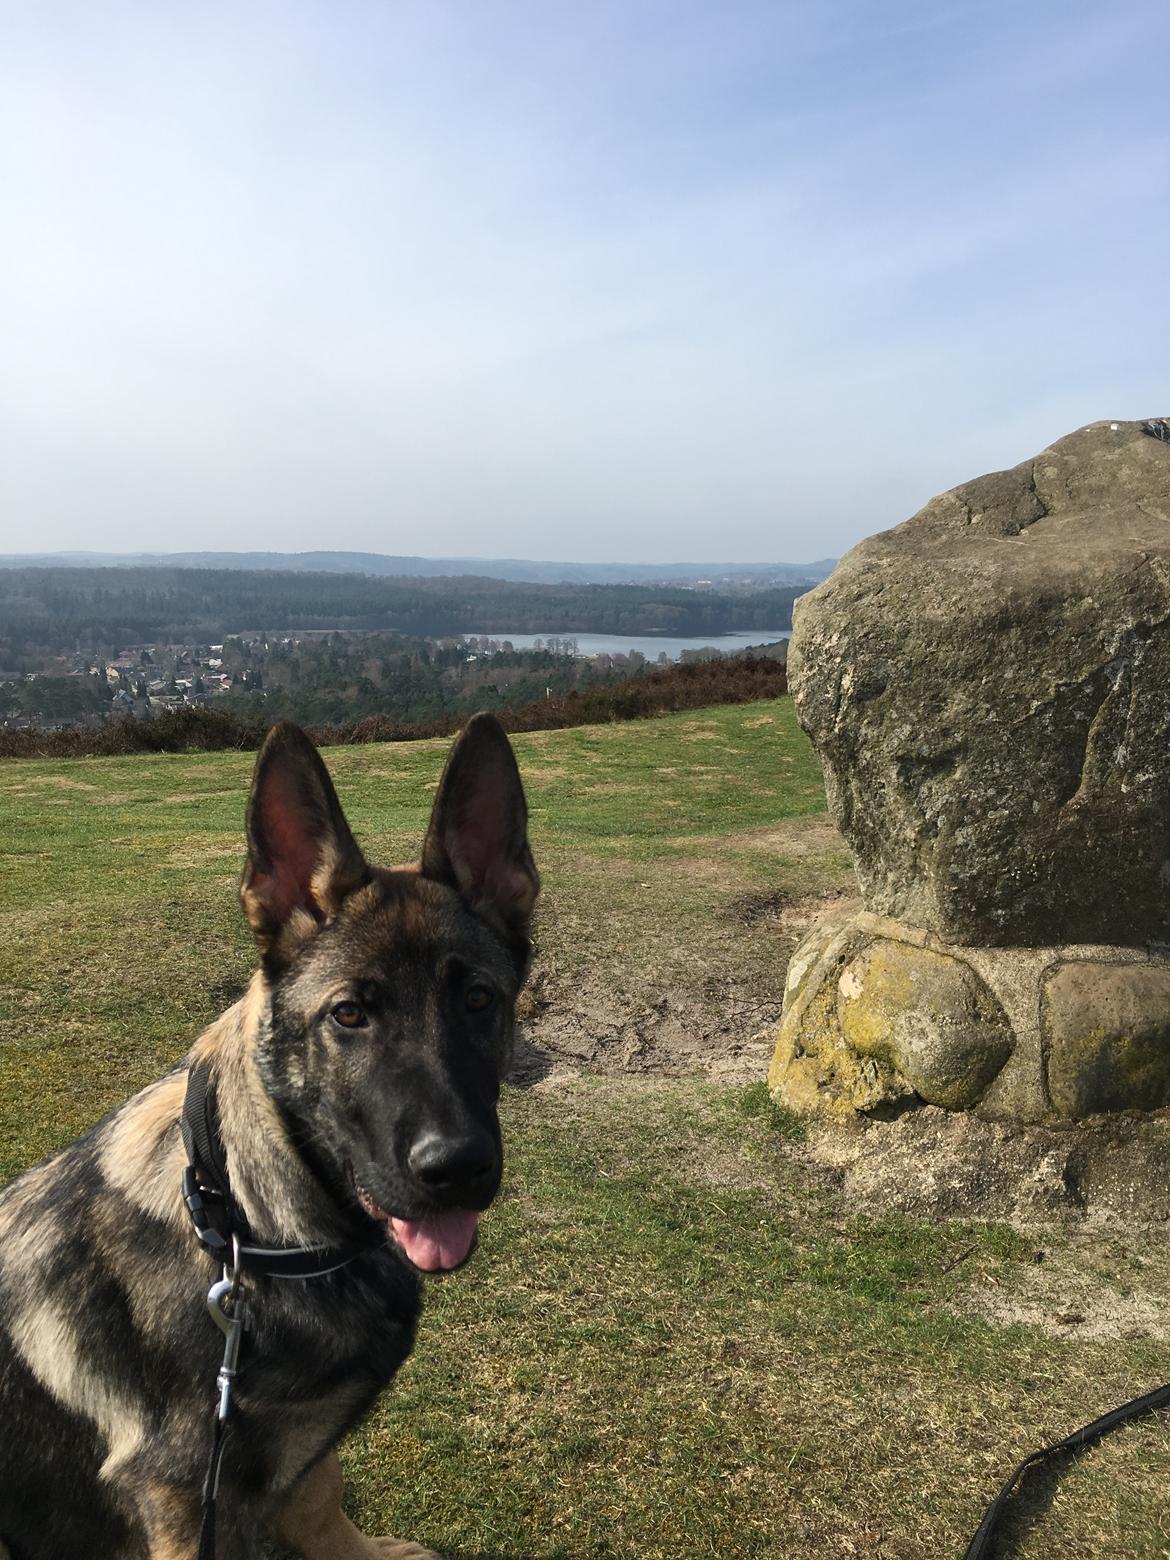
point(330, 1138)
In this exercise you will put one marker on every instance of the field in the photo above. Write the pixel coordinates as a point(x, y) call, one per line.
point(680, 1338)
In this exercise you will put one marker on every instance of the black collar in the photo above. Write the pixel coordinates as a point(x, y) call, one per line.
point(216, 1214)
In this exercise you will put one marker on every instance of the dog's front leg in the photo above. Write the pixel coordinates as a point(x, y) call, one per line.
point(171, 1517)
point(312, 1522)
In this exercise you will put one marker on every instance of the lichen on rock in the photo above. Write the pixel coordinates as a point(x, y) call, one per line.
point(1106, 1034)
point(814, 1069)
point(929, 1016)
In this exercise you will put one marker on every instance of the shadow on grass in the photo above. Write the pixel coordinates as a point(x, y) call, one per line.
point(529, 1066)
point(1030, 1504)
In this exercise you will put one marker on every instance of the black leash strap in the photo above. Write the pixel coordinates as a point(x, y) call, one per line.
point(223, 1231)
point(226, 1305)
point(980, 1545)
point(210, 1490)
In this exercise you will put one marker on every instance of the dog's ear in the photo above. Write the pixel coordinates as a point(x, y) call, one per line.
point(478, 836)
point(302, 859)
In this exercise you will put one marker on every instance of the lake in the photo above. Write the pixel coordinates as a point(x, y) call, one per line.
point(651, 645)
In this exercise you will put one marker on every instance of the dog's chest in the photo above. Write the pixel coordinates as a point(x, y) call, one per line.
point(334, 1340)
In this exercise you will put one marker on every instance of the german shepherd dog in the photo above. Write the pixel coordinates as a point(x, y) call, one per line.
point(355, 1087)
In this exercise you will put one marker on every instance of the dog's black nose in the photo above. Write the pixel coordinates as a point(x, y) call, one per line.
point(448, 1164)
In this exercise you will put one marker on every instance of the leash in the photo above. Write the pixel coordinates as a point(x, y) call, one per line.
point(980, 1545)
point(222, 1229)
point(231, 1324)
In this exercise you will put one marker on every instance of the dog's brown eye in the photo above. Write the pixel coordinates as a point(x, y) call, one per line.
point(348, 1014)
point(478, 998)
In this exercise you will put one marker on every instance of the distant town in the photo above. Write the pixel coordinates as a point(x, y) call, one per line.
point(317, 677)
point(86, 645)
point(335, 675)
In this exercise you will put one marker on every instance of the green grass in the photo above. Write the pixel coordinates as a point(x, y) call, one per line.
point(118, 889)
point(757, 1101)
point(678, 1339)
point(658, 1356)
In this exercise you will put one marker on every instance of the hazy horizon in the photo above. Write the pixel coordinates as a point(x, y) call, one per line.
point(243, 552)
point(626, 283)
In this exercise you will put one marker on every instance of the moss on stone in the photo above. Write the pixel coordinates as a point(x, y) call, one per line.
point(814, 1070)
point(1106, 1032)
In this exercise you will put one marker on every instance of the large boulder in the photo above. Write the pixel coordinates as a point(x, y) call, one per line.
point(988, 688)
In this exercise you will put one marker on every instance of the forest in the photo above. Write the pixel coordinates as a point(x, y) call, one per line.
point(102, 610)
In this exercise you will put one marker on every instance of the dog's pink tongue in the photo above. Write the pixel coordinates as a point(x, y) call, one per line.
point(438, 1243)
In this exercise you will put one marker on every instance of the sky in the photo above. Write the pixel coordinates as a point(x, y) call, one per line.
point(649, 280)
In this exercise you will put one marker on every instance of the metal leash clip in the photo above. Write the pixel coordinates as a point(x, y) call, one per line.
point(231, 1323)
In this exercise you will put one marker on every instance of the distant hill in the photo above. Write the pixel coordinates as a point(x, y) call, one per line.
point(723, 575)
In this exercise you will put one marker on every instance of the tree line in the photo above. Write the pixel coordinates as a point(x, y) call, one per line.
point(62, 610)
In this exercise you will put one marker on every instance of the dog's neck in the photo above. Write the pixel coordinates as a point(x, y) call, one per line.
point(283, 1201)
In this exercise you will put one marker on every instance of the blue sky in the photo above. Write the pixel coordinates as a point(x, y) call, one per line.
point(642, 281)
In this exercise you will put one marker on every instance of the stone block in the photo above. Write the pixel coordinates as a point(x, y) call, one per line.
point(1106, 1035)
point(814, 1069)
point(927, 1015)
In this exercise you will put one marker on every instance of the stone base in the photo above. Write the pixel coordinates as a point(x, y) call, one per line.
point(879, 1014)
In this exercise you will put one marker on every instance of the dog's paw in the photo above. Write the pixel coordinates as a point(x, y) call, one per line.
point(399, 1549)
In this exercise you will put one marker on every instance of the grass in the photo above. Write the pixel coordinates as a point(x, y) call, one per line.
point(678, 1339)
point(757, 1101)
point(664, 1363)
point(119, 881)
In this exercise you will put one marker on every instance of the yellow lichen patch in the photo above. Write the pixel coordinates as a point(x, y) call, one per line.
point(926, 1014)
point(814, 1070)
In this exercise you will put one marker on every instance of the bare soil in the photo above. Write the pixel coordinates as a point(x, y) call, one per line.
point(716, 1033)
point(716, 1026)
